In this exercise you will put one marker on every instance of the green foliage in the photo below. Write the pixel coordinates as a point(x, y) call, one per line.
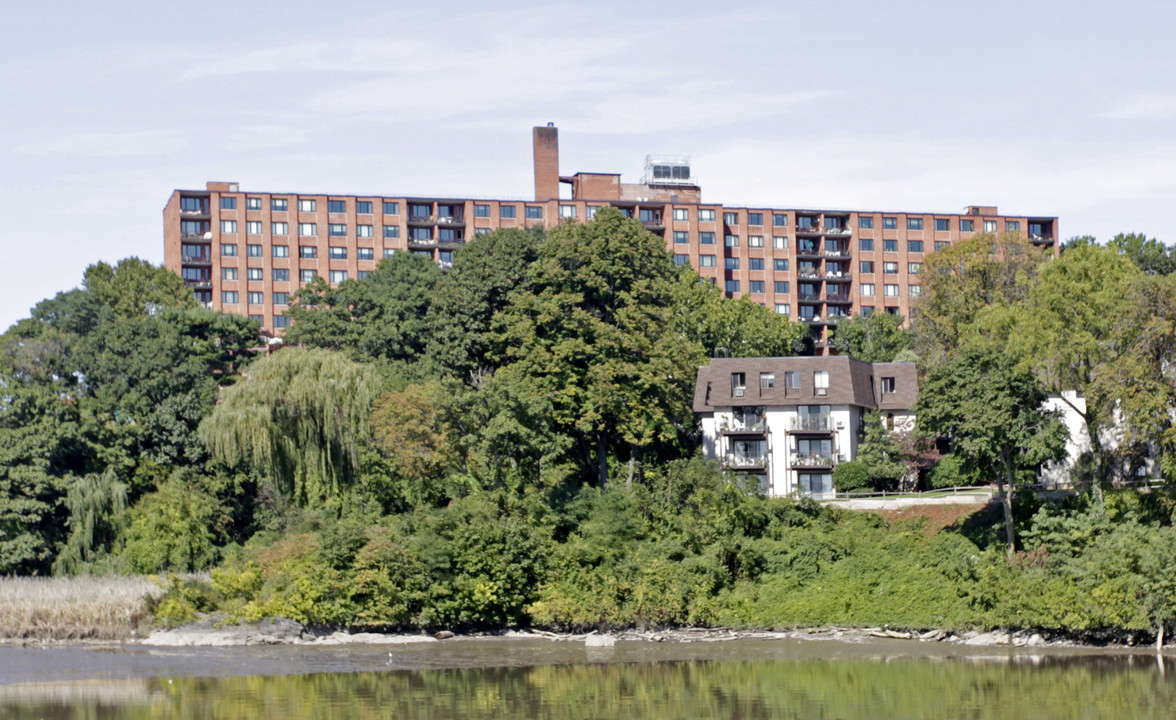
point(1148, 254)
point(299, 418)
point(179, 527)
point(381, 316)
point(880, 451)
point(183, 599)
point(877, 337)
point(852, 475)
point(950, 472)
point(710, 321)
point(136, 288)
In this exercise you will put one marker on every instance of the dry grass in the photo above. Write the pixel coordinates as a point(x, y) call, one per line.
point(75, 608)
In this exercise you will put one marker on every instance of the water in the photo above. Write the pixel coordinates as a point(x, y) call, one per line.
point(508, 678)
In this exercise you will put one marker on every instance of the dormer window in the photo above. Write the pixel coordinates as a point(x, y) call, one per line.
point(821, 382)
point(767, 380)
point(738, 384)
point(887, 385)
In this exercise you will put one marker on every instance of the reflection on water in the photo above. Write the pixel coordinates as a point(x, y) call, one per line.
point(999, 686)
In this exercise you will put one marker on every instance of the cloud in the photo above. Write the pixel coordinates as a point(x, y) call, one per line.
point(1145, 106)
point(128, 144)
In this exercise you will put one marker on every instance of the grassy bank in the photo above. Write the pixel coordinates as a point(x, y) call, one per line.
point(75, 608)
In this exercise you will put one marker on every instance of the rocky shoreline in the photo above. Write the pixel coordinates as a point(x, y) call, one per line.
point(282, 631)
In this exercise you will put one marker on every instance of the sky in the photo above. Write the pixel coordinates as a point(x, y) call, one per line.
point(1038, 107)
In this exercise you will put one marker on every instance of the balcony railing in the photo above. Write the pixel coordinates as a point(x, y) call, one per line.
point(812, 461)
point(820, 423)
point(746, 461)
point(736, 426)
point(836, 254)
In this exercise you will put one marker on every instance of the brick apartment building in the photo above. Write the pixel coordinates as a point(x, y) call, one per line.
point(247, 252)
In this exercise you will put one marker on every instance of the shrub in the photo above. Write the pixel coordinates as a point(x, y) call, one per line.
point(852, 475)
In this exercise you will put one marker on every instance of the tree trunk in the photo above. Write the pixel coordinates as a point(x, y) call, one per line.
point(1007, 503)
point(632, 465)
point(602, 459)
point(1160, 638)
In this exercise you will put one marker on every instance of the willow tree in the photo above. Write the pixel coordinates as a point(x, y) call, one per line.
point(299, 418)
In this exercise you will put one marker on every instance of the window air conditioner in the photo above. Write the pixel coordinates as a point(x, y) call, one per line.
point(822, 391)
point(737, 392)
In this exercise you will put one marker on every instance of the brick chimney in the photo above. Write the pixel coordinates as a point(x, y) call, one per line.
point(546, 162)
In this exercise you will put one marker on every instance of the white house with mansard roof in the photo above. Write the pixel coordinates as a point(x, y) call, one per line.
point(791, 420)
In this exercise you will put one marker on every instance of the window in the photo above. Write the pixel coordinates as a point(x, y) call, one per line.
point(681, 259)
point(779, 220)
point(365, 253)
point(506, 211)
point(229, 297)
point(194, 252)
point(887, 385)
point(279, 204)
point(421, 234)
point(780, 264)
point(445, 256)
point(867, 267)
point(253, 227)
point(228, 226)
point(281, 298)
point(832, 223)
point(391, 231)
point(783, 309)
point(449, 235)
point(866, 289)
point(228, 250)
point(706, 238)
point(942, 224)
point(780, 287)
point(915, 291)
point(252, 203)
point(767, 380)
point(755, 241)
point(307, 229)
point(890, 268)
point(755, 218)
point(820, 382)
point(914, 223)
point(891, 310)
point(338, 276)
point(306, 276)
point(280, 275)
point(914, 246)
point(192, 204)
point(590, 211)
point(890, 246)
point(732, 263)
point(254, 273)
point(226, 274)
point(941, 245)
point(865, 244)
point(866, 223)
point(280, 251)
point(681, 237)
point(756, 286)
point(731, 240)
point(989, 226)
point(337, 253)
point(363, 207)
point(730, 218)
point(478, 232)
point(337, 206)
point(681, 214)
point(391, 208)
point(755, 264)
point(259, 319)
point(306, 205)
point(706, 261)
point(362, 274)
point(568, 212)
point(534, 212)
point(481, 211)
point(738, 383)
point(420, 210)
point(389, 252)
point(1012, 226)
point(363, 230)
point(706, 215)
point(791, 380)
point(336, 229)
point(890, 290)
point(281, 321)
point(914, 268)
point(228, 203)
point(732, 286)
point(889, 223)
point(307, 252)
point(256, 298)
point(279, 228)
point(780, 243)
point(253, 250)
point(193, 227)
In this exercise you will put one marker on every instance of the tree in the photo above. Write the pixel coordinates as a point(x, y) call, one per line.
point(408, 427)
point(877, 337)
point(880, 452)
point(1148, 254)
point(993, 414)
point(135, 287)
point(484, 274)
point(594, 339)
point(381, 316)
point(710, 321)
point(299, 417)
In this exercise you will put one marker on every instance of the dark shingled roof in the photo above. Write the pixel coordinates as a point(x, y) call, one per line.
point(851, 382)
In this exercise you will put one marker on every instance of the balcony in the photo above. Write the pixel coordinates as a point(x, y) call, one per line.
point(195, 214)
point(422, 242)
point(818, 424)
point(746, 462)
point(199, 284)
point(837, 254)
point(840, 232)
point(810, 251)
point(809, 297)
point(809, 275)
point(840, 299)
point(451, 220)
point(422, 220)
point(736, 427)
point(838, 276)
point(197, 238)
point(196, 260)
point(811, 461)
